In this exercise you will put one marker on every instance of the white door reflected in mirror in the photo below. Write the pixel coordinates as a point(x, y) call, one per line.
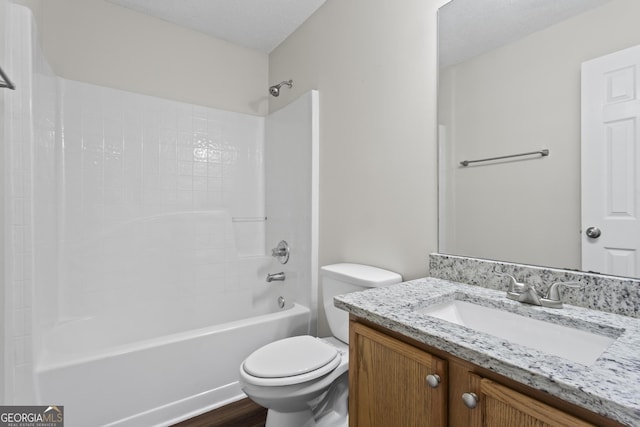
point(610, 159)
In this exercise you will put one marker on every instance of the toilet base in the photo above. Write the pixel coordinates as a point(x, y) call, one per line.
point(330, 409)
point(304, 419)
point(290, 419)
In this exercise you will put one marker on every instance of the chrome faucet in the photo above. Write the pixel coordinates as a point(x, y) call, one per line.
point(522, 292)
point(528, 294)
point(278, 277)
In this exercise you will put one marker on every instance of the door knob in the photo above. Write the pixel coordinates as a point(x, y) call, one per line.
point(593, 232)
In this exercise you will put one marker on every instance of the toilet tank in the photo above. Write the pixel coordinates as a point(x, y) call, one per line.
point(344, 278)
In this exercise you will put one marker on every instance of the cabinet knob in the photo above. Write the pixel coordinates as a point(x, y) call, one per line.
point(470, 400)
point(433, 380)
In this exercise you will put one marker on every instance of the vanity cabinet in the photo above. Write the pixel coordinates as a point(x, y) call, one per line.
point(498, 405)
point(389, 385)
point(387, 382)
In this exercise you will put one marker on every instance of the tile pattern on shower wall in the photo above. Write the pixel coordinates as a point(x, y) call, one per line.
point(150, 190)
point(30, 146)
point(18, 337)
point(129, 155)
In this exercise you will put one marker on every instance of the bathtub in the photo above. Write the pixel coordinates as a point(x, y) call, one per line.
point(136, 377)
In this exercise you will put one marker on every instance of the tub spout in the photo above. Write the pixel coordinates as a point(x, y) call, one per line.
point(278, 277)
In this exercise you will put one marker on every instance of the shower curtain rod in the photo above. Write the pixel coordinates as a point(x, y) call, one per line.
point(542, 153)
point(5, 81)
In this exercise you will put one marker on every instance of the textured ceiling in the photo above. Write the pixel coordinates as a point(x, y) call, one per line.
point(471, 27)
point(466, 27)
point(256, 24)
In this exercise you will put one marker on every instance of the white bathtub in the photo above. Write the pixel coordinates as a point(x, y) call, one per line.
point(145, 380)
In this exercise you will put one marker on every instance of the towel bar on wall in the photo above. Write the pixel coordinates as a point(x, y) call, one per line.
point(5, 81)
point(542, 153)
point(248, 219)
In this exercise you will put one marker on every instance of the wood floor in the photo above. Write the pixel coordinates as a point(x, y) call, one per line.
point(243, 413)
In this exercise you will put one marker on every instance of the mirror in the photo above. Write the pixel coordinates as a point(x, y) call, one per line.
point(510, 83)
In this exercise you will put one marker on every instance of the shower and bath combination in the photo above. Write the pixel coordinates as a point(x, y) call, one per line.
point(199, 256)
point(275, 89)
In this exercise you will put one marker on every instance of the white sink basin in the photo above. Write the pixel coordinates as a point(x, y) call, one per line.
point(570, 343)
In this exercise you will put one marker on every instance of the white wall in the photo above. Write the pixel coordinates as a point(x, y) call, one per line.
point(105, 44)
point(374, 64)
point(524, 97)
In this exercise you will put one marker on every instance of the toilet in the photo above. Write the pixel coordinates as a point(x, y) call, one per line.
point(303, 380)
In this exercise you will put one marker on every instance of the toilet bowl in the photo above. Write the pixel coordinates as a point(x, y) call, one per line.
point(290, 392)
point(303, 380)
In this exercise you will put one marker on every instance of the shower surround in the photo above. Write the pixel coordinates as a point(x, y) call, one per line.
point(135, 169)
point(137, 231)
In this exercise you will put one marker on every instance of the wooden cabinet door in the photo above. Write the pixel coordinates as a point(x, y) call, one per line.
point(499, 406)
point(387, 382)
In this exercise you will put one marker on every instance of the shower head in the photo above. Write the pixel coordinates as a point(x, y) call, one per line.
point(275, 89)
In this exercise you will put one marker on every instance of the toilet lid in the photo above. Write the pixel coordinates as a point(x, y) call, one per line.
point(289, 357)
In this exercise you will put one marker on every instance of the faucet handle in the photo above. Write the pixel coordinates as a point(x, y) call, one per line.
point(281, 252)
point(553, 293)
point(552, 299)
point(526, 287)
point(514, 286)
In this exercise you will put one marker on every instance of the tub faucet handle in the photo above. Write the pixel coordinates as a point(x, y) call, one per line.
point(281, 252)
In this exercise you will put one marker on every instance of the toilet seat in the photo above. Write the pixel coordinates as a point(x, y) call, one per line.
point(290, 361)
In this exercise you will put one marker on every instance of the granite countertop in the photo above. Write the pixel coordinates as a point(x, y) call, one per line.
point(610, 386)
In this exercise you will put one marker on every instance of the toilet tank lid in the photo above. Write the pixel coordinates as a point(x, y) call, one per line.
point(361, 275)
